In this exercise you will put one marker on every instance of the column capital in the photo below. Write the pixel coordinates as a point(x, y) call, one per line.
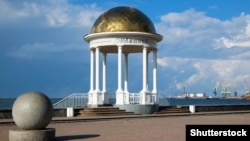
point(126, 54)
point(146, 46)
point(93, 47)
point(104, 54)
point(119, 45)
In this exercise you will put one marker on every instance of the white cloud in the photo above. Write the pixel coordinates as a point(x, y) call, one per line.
point(197, 51)
point(45, 27)
point(241, 39)
point(8, 12)
point(188, 33)
point(51, 13)
point(202, 74)
point(57, 17)
point(193, 34)
point(40, 50)
point(172, 62)
point(71, 15)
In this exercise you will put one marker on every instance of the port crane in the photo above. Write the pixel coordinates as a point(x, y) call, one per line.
point(225, 92)
point(235, 89)
point(247, 93)
point(217, 85)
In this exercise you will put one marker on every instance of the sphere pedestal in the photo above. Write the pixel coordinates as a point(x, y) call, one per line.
point(47, 134)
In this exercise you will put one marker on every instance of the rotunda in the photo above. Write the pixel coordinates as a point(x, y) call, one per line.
point(122, 30)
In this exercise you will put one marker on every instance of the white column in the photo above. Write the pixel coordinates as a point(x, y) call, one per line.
point(147, 71)
point(126, 73)
point(154, 92)
point(144, 94)
point(105, 98)
point(119, 89)
point(155, 72)
point(90, 94)
point(119, 93)
point(126, 80)
point(144, 70)
point(97, 64)
point(91, 71)
point(104, 73)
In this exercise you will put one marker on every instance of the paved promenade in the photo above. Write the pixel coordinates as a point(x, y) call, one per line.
point(138, 128)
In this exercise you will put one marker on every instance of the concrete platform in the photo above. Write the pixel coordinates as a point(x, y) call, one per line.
point(132, 127)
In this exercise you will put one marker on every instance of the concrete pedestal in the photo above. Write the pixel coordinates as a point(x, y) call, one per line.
point(47, 134)
point(70, 112)
point(192, 108)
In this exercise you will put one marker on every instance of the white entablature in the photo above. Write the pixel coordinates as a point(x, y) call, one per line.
point(113, 39)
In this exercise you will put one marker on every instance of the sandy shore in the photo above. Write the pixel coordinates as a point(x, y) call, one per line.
point(170, 128)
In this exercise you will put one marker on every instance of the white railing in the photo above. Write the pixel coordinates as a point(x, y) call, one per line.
point(73, 100)
point(134, 98)
point(81, 100)
point(153, 99)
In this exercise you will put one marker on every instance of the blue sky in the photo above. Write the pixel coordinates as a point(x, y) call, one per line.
point(204, 42)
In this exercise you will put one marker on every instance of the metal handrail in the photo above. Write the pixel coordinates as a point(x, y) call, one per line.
point(163, 100)
point(73, 100)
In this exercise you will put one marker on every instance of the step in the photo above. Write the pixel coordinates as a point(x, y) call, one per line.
point(166, 110)
point(103, 111)
point(114, 114)
point(107, 113)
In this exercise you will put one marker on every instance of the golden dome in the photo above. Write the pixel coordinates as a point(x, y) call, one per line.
point(123, 19)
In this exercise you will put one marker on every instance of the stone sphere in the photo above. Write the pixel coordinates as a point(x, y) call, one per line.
point(32, 111)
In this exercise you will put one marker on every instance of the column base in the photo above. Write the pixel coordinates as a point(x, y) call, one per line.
point(97, 99)
point(47, 134)
point(90, 98)
point(126, 95)
point(120, 98)
point(105, 98)
point(147, 98)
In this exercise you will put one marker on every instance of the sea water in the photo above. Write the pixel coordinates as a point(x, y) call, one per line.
point(7, 103)
point(207, 101)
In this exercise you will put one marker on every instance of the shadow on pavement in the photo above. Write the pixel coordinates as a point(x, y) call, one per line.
point(74, 137)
